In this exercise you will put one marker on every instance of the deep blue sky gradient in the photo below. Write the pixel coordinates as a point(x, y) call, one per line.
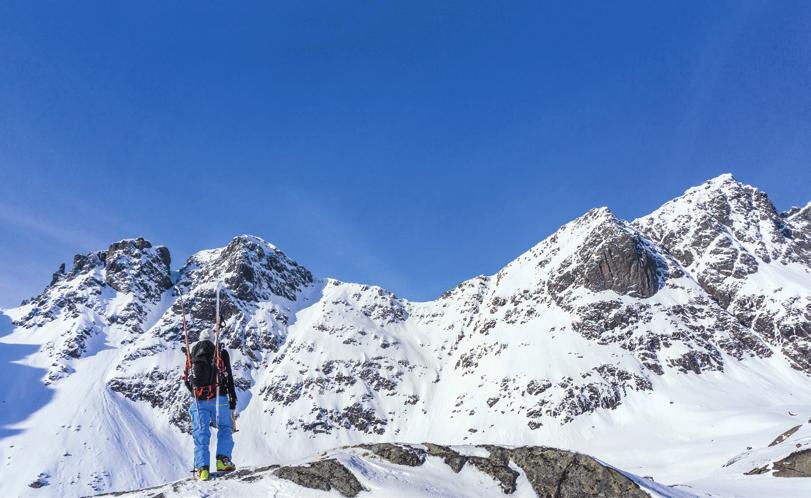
point(409, 144)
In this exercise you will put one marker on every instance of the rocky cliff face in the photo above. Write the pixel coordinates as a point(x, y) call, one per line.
point(612, 256)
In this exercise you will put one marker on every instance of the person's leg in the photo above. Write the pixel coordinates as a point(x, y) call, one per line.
point(225, 429)
point(201, 432)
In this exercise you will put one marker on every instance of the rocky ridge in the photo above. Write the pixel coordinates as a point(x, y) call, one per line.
point(611, 282)
point(385, 469)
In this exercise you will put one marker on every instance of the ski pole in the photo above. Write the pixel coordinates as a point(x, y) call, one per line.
point(217, 358)
point(188, 353)
point(234, 420)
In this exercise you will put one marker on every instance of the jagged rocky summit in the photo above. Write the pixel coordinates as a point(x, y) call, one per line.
point(603, 327)
point(752, 260)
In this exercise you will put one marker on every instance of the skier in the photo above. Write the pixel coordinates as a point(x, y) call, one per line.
point(205, 379)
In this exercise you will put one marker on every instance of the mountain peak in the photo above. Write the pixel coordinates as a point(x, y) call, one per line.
point(596, 251)
point(723, 178)
point(731, 238)
point(723, 199)
point(592, 219)
point(247, 239)
point(139, 242)
point(252, 267)
point(135, 265)
point(602, 212)
point(725, 184)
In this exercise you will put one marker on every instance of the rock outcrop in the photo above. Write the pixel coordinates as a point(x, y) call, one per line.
point(612, 257)
point(323, 475)
point(397, 469)
point(798, 464)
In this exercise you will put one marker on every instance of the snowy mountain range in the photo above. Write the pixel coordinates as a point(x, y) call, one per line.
point(676, 347)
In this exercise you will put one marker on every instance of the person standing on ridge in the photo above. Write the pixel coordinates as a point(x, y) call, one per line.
point(204, 378)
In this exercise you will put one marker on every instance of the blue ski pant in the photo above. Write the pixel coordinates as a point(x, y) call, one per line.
point(201, 430)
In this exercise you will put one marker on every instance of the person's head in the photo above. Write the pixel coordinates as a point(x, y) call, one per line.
point(205, 335)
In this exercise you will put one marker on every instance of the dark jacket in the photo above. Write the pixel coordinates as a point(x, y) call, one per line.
point(206, 348)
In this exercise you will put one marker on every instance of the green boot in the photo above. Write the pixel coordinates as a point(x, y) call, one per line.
point(224, 464)
point(201, 473)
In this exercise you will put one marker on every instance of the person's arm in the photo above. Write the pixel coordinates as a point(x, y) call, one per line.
point(232, 393)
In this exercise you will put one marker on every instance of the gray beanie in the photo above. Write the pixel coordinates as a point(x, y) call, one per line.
point(205, 335)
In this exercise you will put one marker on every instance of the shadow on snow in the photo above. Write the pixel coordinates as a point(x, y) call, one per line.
point(23, 392)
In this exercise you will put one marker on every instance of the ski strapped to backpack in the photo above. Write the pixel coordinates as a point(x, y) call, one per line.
point(188, 353)
point(217, 357)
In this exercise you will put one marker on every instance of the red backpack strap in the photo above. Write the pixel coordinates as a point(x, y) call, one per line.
point(204, 393)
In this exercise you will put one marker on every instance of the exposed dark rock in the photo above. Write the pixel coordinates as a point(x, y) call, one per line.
point(398, 454)
point(609, 386)
point(782, 437)
point(757, 471)
point(161, 390)
point(499, 470)
point(625, 267)
point(324, 475)
point(58, 274)
point(386, 309)
point(133, 266)
point(697, 362)
point(355, 416)
point(562, 474)
point(451, 458)
point(798, 464)
point(552, 473)
point(536, 387)
point(41, 481)
point(254, 270)
point(250, 475)
point(613, 257)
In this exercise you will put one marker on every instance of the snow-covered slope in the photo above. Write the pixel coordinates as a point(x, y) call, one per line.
point(665, 347)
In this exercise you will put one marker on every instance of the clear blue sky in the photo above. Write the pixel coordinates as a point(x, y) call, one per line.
point(411, 144)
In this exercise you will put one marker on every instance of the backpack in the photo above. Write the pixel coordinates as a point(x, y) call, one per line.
point(202, 373)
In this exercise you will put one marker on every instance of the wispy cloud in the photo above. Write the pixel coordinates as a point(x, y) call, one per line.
point(68, 235)
point(352, 246)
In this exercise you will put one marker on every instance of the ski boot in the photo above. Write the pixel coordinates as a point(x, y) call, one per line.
point(201, 474)
point(224, 464)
